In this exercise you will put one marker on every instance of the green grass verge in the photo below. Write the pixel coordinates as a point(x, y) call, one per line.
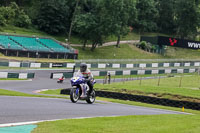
point(125, 124)
point(125, 77)
point(11, 79)
point(139, 124)
point(15, 93)
point(111, 52)
point(189, 86)
point(129, 51)
point(33, 59)
point(57, 92)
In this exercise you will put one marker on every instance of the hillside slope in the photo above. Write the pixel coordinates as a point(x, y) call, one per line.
point(129, 51)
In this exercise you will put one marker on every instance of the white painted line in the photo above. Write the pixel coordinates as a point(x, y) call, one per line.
point(24, 123)
point(28, 80)
point(38, 91)
point(35, 122)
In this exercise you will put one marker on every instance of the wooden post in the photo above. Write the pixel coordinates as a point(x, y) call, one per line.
point(159, 81)
point(180, 81)
point(140, 80)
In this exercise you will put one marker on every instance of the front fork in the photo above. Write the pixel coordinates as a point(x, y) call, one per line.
point(83, 88)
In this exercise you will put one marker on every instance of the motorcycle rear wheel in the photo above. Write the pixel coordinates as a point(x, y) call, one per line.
point(91, 98)
point(73, 96)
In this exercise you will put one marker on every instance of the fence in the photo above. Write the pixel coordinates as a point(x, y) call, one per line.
point(129, 72)
point(103, 65)
point(17, 75)
point(134, 60)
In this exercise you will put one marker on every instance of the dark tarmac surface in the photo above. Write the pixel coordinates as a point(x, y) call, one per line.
point(25, 109)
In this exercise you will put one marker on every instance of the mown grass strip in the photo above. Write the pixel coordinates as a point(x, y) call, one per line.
point(125, 124)
point(16, 93)
point(57, 92)
point(11, 79)
point(189, 86)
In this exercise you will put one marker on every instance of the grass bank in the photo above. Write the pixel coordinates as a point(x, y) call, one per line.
point(129, 51)
point(125, 124)
point(13, 93)
point(16, 93)
point(110, 52)
point(11, 79)
point(25, 59)
point(178, 88)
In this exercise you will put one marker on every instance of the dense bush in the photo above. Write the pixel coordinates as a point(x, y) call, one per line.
point(147, 46)
point(6, 15)
point(20, 19)
point(53, 16)
point(12, 14)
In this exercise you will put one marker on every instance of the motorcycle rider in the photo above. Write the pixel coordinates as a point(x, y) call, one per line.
point(61, 79)
point(86, 73)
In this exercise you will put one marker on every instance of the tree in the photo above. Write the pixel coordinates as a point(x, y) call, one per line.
point(188, 17)
point(125, 14)
point(90, 24)
point(12, 14)
point(20, 19)
point(84, 25)
point(6, 15)
point(53, 16)
point(147, 15)
point(98, 19)
point(167, 12)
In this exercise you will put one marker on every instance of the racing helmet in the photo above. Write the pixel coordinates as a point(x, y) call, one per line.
point(83, 67)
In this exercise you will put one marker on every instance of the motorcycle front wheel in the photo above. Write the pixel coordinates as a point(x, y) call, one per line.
point(74, 96)
point(91, 97)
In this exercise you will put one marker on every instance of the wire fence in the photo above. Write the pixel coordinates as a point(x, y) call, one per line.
point(134, 60)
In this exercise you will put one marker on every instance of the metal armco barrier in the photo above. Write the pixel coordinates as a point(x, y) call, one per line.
point(17, 75)
point(144, 99)
point(129, 72)
point(129, 65)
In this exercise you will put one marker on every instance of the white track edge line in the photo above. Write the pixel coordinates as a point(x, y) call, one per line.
point(35, 122)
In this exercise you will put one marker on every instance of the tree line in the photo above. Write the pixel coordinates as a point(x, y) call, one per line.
point(95, 20)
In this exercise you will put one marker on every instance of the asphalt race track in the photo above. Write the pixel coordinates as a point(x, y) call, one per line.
point(25, 109)
point(41, 81)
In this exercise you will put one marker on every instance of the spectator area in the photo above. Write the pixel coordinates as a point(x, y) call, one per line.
point(53, 45)
point(6, 43)
point(31, 44)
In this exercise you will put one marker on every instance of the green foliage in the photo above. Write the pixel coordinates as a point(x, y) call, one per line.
point(53, 16)
point(188, 17)
point(146, 46)
point(90, 24)
point(6, 15)
point(20, 18)
point(147, 15)
point(12, 14)
point(98, 19)
point(167, 20)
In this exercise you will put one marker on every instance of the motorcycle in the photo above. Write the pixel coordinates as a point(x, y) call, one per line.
point(60, 80)
point(79, 84)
